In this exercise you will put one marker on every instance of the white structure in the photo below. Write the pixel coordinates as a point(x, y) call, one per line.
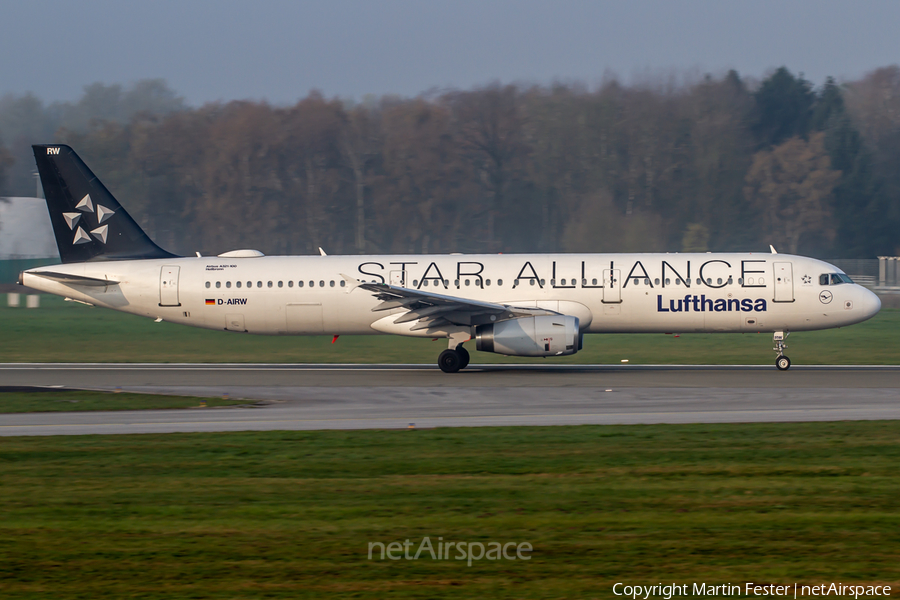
point(25, 230)
point(888, 271)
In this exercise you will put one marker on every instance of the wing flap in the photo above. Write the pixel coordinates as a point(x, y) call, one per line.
point(433, 310)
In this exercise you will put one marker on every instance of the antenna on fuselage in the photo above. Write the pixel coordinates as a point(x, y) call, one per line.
point(771, 247)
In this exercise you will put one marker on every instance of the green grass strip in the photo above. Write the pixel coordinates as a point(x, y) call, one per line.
point(290, 514)
point(68, 332)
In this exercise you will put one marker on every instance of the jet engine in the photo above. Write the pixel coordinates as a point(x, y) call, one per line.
point(552, 335)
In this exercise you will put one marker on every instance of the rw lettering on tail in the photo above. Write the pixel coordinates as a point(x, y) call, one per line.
point(52, 150)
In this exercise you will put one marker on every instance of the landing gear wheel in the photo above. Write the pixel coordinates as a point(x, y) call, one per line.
point(782, 362)
point(449, 361)
point(463, 356)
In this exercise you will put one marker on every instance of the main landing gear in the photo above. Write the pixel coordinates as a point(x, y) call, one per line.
point(453, 359)
point(782, 362)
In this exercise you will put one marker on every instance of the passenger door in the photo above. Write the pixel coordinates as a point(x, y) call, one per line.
point(168, 286)
point(784, 282)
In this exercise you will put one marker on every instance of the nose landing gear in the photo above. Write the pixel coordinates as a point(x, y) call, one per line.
point(782, 362)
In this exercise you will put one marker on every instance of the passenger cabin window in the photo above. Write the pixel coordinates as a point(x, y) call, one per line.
point(299, 284)
point(290, 284)
point(218, 284)
point(331, 283)
point(228, 284)
point(259, 284)
point(499, 282)
point(269, 284)
point(207, 284)
point(280, 284)
point(237, 284)
point(343, 283)
point(321, 284)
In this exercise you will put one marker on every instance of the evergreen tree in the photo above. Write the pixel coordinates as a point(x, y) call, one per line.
point(784, 108)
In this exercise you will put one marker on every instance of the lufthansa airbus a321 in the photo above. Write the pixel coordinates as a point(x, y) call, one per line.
point(513, 304)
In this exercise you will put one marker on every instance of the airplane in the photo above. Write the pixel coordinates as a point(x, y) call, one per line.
point(538, 305)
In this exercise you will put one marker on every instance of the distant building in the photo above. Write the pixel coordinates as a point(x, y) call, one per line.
point(26, 237)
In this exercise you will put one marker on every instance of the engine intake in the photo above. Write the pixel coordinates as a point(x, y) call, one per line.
point(552, 335)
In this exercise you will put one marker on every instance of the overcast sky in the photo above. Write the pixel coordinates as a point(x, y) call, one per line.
point(280, 49)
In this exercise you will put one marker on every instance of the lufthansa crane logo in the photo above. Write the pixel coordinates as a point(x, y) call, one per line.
point(825, 296)
point(86, 207)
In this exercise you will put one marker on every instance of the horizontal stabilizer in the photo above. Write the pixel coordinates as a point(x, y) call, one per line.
point(73, 279)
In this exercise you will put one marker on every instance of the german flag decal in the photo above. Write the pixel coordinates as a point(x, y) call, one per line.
point(210, 302)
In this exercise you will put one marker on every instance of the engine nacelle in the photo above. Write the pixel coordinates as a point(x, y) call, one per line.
point(553, 335)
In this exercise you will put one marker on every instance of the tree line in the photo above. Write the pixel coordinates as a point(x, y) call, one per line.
point(717, 163)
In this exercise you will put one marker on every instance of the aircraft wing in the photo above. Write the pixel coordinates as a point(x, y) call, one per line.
point(431, 309)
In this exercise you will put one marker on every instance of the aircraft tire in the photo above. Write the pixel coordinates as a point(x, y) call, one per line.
point(449, 361)
point(783, 363)
point(463, 357)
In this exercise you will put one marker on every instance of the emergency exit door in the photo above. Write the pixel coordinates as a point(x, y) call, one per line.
point(168, 286)
point(612, 286)
point(398, 278)
point(784, 282)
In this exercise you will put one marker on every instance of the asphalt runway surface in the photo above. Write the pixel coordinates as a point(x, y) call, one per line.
point(305, 397)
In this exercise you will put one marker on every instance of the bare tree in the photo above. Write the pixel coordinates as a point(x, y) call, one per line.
point(791, 187)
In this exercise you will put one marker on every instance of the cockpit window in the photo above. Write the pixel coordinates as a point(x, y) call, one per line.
point(834, 279)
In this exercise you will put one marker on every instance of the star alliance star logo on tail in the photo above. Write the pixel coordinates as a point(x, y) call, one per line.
point(86, 206)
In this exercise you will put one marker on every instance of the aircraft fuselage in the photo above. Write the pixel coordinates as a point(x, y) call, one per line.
point(634, 293)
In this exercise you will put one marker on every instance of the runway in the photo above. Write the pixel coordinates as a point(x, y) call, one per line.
point(306, 397)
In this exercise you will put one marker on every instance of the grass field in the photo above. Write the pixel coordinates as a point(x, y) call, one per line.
point(67, 332)
point(290, 514)
point(78, 400)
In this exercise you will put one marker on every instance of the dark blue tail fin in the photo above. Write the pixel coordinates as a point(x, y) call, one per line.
point(88, 222)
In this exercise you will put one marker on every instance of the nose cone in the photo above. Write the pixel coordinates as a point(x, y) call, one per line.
point(869, 303)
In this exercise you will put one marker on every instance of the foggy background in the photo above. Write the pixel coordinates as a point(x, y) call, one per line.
point(469, 126)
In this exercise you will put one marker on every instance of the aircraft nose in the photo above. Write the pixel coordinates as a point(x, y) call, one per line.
point(869, 303)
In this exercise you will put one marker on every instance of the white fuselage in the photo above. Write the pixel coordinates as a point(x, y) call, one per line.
point(639, 293)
